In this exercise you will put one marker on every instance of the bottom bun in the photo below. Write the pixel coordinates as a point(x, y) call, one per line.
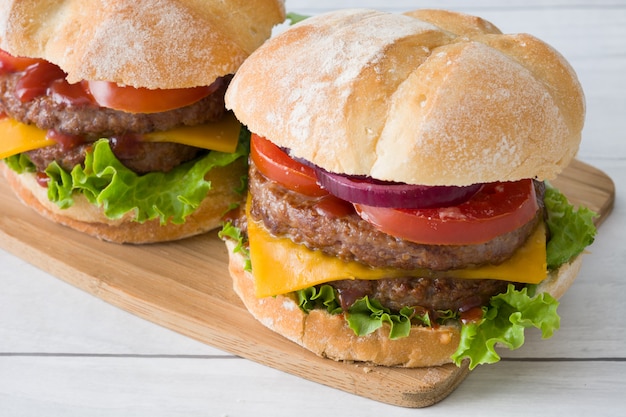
point(90, 219)
point(330, 336)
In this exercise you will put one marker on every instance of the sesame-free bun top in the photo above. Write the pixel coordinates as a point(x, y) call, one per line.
point(430, 97)
point(141, 43)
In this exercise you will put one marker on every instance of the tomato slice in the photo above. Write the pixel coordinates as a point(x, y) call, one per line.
point(496, 209)
point(39, 75)
point(276, 165)
point(144, 100)
point(10, 63)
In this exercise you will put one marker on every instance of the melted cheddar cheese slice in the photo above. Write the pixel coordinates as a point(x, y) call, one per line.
point(281, 266)
point(220, 136)
point(16, 137)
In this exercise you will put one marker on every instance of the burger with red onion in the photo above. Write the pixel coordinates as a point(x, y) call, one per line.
point(112, 113)
point(398, 212)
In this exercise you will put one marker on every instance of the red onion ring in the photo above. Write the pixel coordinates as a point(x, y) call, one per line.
point(376, 193)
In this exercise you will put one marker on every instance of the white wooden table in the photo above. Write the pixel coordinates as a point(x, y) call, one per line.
point(64, 352)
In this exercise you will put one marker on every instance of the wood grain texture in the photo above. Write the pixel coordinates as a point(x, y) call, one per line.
point(185, 286)
point(587, 186)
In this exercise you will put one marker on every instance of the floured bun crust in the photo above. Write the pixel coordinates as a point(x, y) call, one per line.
point(89, 218)
point(430, 97)
point(141, 43)
point(330, 336)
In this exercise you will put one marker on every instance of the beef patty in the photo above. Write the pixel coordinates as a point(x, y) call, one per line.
point(95, 122)
point(140, 157)
point(350, 238)
point(286, 213)
point(90, 122)
point(431, 294)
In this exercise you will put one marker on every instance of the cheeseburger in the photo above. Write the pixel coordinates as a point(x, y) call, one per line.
point(398, 212)
point(112, 112)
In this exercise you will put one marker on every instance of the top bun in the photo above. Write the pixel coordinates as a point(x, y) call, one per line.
point(431, 97)
point(141, 43)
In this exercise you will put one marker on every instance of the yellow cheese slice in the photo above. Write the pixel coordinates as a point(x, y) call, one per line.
point(223, 136)
point(217, 136)
point(16, 137)
point(281, 266)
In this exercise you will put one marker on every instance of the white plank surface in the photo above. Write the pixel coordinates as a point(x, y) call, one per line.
point(94, 386)
point(63, 352)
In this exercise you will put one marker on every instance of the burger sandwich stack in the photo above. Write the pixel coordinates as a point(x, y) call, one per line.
point(113, 118)
point(399, 209)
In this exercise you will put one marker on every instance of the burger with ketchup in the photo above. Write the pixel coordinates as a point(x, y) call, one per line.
point(398, 212)
point(113, 118)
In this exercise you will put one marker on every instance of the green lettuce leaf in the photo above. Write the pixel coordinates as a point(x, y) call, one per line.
point(504, 322)
point(323, 297)
point(296, 17)
point(229, 230)
point(366, 316)
point(106, 182)
point(20, 163)
point(571, 231)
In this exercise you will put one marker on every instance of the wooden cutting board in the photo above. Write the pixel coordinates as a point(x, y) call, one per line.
point(185, 286)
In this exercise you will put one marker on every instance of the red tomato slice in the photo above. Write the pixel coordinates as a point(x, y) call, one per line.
point(276, 165)
point(496, 209)
point(144, 100)
point(10, 63)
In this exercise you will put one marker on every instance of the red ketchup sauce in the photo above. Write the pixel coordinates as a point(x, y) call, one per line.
point(473, 315)
point(40, 77)
point(42, 179)
point(37, 78)
point(66, 141)
point(70, 94)
point(126, 146)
